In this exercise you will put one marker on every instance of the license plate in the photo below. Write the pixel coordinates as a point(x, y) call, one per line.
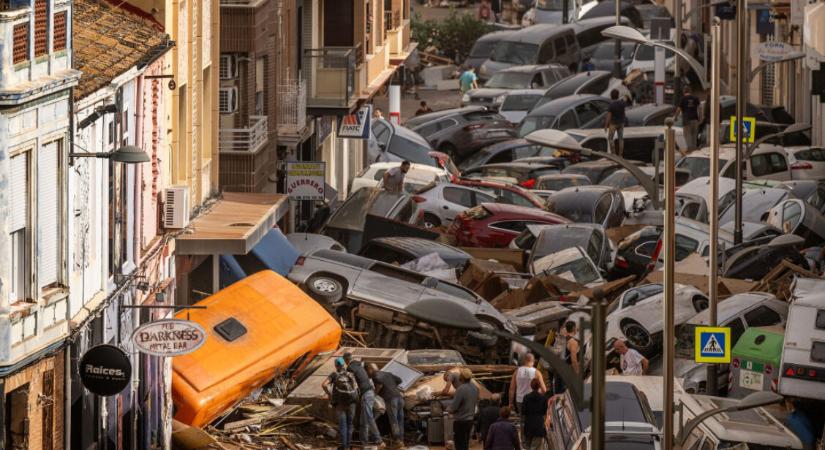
point(749, 379)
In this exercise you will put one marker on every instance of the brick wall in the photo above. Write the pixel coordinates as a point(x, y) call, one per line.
point(34, 376)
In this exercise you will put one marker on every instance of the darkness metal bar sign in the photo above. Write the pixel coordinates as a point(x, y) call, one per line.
point(169, 337)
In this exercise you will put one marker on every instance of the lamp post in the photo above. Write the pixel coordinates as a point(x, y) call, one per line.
point(715, 85)
point(754, 400)
point(626, 33)
point(128, 154)
point(668, 311)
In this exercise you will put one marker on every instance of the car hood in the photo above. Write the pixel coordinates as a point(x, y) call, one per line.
point(513, 117)
point(648, 313)
point(487, 92)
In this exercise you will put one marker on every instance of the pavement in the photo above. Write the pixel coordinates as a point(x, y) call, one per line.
point(437, 100)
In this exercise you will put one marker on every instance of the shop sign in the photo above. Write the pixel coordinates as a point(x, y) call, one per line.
point(169, 337)
point(105, 370)
point(305, 180)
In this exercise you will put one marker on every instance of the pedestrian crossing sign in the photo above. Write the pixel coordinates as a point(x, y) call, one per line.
point(712, 345)
point(749, 124)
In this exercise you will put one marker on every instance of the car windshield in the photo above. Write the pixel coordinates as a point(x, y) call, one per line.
point(519, 102)
point(581, 271)
point(620, 179)
point(483, 49)
point(647, 52)
point(515, 53)
point(560, 239)
point(509, 80)
point(605, 50)
point(550, 5)
point(411, 151)
point(558, 184)
point(533, 123)
point(574, 210)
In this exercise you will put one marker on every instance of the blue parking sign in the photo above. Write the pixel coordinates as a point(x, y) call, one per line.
point(712, 345)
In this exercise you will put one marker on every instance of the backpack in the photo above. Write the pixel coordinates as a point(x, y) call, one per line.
point(344, 388)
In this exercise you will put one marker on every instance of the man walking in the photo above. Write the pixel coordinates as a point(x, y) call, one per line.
point(689, 108)
point(463, 409)
point(503, 434)
point(614, 123)
point(631, 361)
point(368, 427)
point(387, 385)
point(533, 411)
point(342, 390)
point(394, 178)
point(468, 80)
point(521, 379)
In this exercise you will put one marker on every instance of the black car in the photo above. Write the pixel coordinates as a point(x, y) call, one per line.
point(572, 111)
point(648, 114)
point(460, 132)
point(504, 152)
point(601, 205)
point(403, 250)
point(593, 82)
point(596, 170)
point(589, 236)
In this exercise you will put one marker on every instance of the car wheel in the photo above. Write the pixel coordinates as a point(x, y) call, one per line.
point(430, 221)
point(325, 289)
point(637, 335)
point(700, 303)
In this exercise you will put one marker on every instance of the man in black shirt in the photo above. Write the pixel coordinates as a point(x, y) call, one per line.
point(689, 107)
point(614, 123)
point(368, 427)
point(533, 410)
point(387, 385)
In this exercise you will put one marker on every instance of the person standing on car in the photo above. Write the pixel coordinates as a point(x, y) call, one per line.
point(503, 434)
point(387, 385)
point(394, 178)
point(571, 349)
point(521, 379)
point(342, 390)
point(614, 123)
point(689, 108)
point(463, 409)
point(533, 412)
point(631, 361)
point(368, 427)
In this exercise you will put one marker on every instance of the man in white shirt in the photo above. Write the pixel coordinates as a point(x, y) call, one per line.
point(394, 178)
point(632, 362)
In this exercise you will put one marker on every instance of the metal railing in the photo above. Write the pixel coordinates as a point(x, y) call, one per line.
point(292, 106)
point(249, 139)
point(240, 2)
point(332, 79)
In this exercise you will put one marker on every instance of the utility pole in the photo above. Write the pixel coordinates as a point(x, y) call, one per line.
point(716, 44)
point(565, 10)
point(669, 343)
point(677, 42)
point(617, 51)
point(741, 87)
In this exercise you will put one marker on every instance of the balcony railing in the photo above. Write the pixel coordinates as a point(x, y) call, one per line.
point(292, 106)
point(249, 139)
point(332, 79)
point(240, 2)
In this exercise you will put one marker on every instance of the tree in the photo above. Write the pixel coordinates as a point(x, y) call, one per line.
point(453, 37)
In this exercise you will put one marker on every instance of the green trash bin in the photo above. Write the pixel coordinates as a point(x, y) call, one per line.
point(755, 361)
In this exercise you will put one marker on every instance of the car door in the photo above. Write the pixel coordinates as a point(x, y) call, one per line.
point(567, 121)
point(770, 165)
point(546, 54)
point(457, 199)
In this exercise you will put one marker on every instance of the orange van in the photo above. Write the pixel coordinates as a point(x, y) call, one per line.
point(256, 329)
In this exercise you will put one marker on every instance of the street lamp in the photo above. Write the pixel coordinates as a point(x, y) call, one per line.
point(563, 141)
point(128, 154)
point(754, 400)
point(626, 33)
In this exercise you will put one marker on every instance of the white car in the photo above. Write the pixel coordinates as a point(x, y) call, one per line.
point(572, 264)
point(766, 162)
point(644, 59)
point(518, 103)
point(636, 316)
point(418, 176)
point(807, 163)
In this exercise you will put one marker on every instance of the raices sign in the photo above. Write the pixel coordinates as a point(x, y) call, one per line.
point(105, 370)
point(169, 337)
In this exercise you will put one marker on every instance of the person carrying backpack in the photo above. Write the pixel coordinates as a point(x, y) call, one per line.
point(342, 390)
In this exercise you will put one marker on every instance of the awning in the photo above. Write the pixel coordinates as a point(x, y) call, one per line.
point(233, 225)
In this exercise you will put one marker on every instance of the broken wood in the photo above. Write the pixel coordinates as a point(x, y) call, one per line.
point(289, 444)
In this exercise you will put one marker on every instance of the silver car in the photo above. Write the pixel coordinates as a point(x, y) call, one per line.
point(372, 296)
point(442, 202)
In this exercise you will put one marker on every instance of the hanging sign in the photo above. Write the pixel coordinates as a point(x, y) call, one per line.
point(105, 370)
point(169, 337)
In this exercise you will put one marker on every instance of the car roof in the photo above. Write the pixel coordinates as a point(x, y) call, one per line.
point(578, 195)
point(555, 106)
point(733, 305)
point(537, 34)
point(406, 133)
point(530, 68)
point(420, 246)
point(536, 92)
point(575, 81)
point(563, 176)
point(417, 121)
point(496, 35)
point(526, 211)
point(629, 132)
point(505, 145)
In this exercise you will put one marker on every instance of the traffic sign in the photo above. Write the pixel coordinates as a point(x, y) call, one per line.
point(749, 123)
point(712, 345)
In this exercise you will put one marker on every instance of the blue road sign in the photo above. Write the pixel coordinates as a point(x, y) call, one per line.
point(712, 344)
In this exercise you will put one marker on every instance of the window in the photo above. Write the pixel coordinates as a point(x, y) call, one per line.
point(736, 330)
point(567, 121)
point(227, 68)
point(594, 247)
point(646, 249)
point(560, 46)
point(685, 246)
point(537, 82)
point(586, 113)
point(817, 199)
point(768, 163)
point(381, 132)
point(791, 214)
point(228, 100)
point(596, 87)
point(111, 132)
point(546, 53)
point(526, 151)
point(602, 209)
point(463, 197)
point(21, 43)
point(48, 213)
point(500, 157)
point(762, 317)
point(483, 198)
point(820, 319)
point(41, 19)
point(59, 31)
point(818, 352)
point(20, 236)
point(17, 421)
point(511, 225)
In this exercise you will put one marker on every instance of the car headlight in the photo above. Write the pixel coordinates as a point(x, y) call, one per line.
point(465, 98)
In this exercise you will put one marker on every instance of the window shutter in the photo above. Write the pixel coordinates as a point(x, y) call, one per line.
point(48, 204)
point(21, 43)
point(19, 191)
point(41, 19)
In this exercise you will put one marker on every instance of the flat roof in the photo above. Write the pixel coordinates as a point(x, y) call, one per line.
point(233, 225)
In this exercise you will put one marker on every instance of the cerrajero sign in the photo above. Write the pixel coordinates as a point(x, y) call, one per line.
point(105, 370)
point(169, 337)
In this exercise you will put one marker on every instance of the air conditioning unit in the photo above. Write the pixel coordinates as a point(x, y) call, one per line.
point(176, 207)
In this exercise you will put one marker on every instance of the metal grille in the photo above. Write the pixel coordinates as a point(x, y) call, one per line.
point(21, 42)
point(768, 83)
point(60, 31)
point(292, 101)
point(40, 28)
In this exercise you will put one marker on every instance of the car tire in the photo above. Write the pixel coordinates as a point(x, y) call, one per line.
point(700, 303)
point(637, 336)
point(325, 289)
point(430, 221)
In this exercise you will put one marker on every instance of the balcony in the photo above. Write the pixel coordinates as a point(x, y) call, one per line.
point(241, 3)
point(244, 140)
point(331, 77)
point(292, 107)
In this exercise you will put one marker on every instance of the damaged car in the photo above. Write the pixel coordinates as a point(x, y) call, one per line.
point(371, 296)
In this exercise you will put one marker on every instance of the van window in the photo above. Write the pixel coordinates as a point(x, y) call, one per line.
point(820, 319)
point(546, 53)
point(586, 112)
point(567, 121)
point(768, 163)
point(685, 246)
point(560, 46)
point(818, 352)
point(762, 317)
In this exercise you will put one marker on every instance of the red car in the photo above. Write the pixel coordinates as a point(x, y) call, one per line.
point(509, 193)
point(496, 224)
